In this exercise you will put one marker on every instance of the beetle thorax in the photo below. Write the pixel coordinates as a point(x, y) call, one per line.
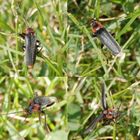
point(33, 107)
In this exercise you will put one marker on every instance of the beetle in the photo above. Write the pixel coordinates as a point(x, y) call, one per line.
point(38, 105)
point(105, 37)
point(108, 114)
point(31, 47)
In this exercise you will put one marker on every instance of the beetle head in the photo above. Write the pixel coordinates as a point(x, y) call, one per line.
point(95, 25)
point(30, 31)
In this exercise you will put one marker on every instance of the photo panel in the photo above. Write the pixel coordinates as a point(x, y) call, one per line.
point(33, 38)
point(32, 108)
point(98, 108)
point(103, 38)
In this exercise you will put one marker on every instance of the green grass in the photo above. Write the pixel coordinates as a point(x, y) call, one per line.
point(70, 67)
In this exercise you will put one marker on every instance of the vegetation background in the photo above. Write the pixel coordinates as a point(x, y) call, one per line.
point(74, 64)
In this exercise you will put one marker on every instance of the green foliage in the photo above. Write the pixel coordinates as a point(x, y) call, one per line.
point(70, 67)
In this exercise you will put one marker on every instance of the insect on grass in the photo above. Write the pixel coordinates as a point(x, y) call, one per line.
point(38, 105)
point(105, 37)
point(108, 114)
point(31, 47)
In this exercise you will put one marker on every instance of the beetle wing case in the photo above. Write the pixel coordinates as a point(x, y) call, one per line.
point(93, 123)
point(108, 41)
point(103, 99)
point(30, 51)
point(45, 101)
point(105, 37)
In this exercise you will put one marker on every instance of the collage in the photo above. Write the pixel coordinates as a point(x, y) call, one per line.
point(69, 70)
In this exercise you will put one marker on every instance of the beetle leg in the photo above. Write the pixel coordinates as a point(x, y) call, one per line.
point(23, 48)
point(45, 125)
point(93, 35)
point(39, 50)
point(22, 35)
point(39, 117)
point(38, 45)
